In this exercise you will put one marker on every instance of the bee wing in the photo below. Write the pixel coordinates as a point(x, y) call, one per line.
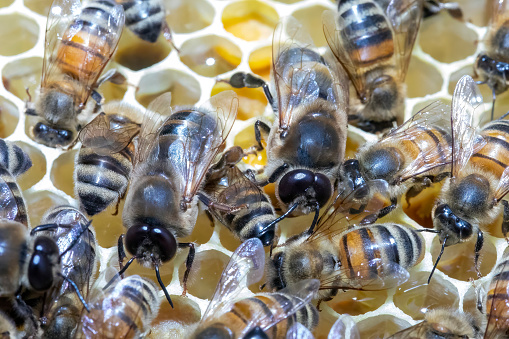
point(107, 137)
point(434, 116)
point(193, 153)
point(295, 85)
point(373, 276)
point(417, 331)
point(246, 267)
point(498, 323)
point(9, 207)
point(405, 17)
point(465, 100)
point(299, 331)
point(499, 14)
point(344, 328)
point(295, 297)
point(503, 185)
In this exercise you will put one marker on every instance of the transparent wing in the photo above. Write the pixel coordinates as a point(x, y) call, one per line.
point(344, 328)
point(498, 323)
point(417, 331)
point(293, 299)
point(9, 208)
point(246, 267)
point(499, 14)
point(435, 119)
point(372, 276)
point(405, 17)
point(293, 62)
point(106, 135)
point(503, 185)
point(465, 100)
point(299, 331)
point(197, 148)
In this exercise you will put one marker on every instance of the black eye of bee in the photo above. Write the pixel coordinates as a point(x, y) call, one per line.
point(215, 331)
point(447, 217)
point(40, 273)
point(143, 235)
point(295, 183)
point(256, 333)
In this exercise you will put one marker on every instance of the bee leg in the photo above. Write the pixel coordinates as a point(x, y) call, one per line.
point(380, 214)
point(169, 36)
point(211, 218)
point(23, 310)
point(189, 263)
point(121, 254)
point(242, 79)
point(261, 128)
point(207, 201)
point(493, 103)
point(478, 246)
point(418, 188)
point(505, 221)
point(113, 76)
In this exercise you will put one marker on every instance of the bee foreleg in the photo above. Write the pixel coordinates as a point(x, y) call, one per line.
point(261, 128)
point(121, 254)
point(478, 246)
point(113, 76)
point(189, 263)
point(207, 201)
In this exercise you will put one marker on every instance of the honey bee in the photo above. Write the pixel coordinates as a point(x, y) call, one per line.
point(124, 310)
point(372, 257)
point(79, 43)
point(492, 64)
point(105, 160)
point(407, 159)
point(442, 323)
point(76, 241)
point(374, 45)
point(264, 315)
point(229, 186)
point(306, 144)
point(13, 162)
point(470, 199)
point(147, 19)
point(174, 154)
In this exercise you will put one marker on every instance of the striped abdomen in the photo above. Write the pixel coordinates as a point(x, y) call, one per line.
point(144, 17)
point(102, 179)
point(368, 31)
point(267, 304)
point(12, 204)
point(125, 311)
point(13, 158)
point(494, 156)
point(497, 298)
point(390, 243)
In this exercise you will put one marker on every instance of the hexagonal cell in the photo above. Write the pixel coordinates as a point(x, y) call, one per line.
point(9, 117)
point(422, 79)
point(109, 90)
point(39, 6)
point(246, 139)
point(252, 101)
point(188, 16)
point(135, 53)
point(205, 273)
point(260, 61)
point(210, 55)
point(249, 19)
point(476, 12)
point(62, 172)
point(415, 296)
point(169, 321)
point(458, 260)
point(184, 88)
point(419, 207)
point(380, 326)
point(357, 302)
point(202, 231)
point(21, 74)
point(38, 169)
point(470, 305)
point(457, 44)
point(325, 322)
point(109, 227)
point(311, 20)
point(228, 239)
point(39, 202)
point(5, 3)
point(23, 28)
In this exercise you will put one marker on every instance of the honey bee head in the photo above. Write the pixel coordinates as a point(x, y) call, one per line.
point(52, 136)
point(450, 225)
point(150, 242)
point(215, 331)
point(43, 264)
point(351, 176)
point(305, 188)
point(492, 71)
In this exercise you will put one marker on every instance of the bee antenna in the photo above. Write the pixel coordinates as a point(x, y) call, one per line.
point(73, 284)
point(120, 272)
point(438, 259)
point(286, 214)
point(84, 228)
point(503, 116)
point(427, 230)
point(46, 227)
point(315, 219)
point(159, 280)
point(28, 93)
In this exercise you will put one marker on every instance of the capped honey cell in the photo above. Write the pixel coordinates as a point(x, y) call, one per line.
point(9, 117)
point(23, 28)
point(422, 79)
point(62, 167)
point(249, 19)
point(38, 169)
point(186, 16)
point(22, 74)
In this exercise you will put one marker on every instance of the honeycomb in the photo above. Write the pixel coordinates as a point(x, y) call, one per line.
point(215, 39)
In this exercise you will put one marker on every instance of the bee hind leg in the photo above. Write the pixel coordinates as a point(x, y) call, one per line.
point(478, 246)
point(189, 263)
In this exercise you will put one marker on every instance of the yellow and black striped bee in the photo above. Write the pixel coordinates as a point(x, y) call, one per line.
point(373, 257)
point(175, 152)
point(80, 41)
point(105, 160)
point(374, 41)
point(472, 198)
point(264, 315)
point(124, 310)
point(61, 307)
point(306, 144)
point(442, 323)
point(13, 162)
point(229, 186)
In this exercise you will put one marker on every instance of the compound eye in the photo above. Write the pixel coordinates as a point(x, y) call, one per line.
point(41, 128)
point(294, 184)
point(46, 245)
point(443, 213)
point(64, 135)
point(153, 237)
point(40, 268)
point(464, 228)
point(323, 189)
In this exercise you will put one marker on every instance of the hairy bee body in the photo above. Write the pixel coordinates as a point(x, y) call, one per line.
point(494, 156)
point(14, 240)
point(13, 158)
point(123, 311)
point(144, 17)
point(496, 300)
